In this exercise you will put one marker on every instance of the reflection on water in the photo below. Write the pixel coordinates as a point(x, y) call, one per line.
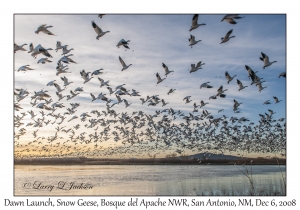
point(147, 180)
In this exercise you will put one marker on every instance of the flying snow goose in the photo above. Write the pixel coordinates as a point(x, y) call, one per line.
point(202, 103)
point(197, 67)
point(124, 43)
point(98, 30)
point(267, 102)
point(241, 87)
point(93, 97)
point(31, 48)
point(229, 18)
point(195, 23)
point(17, 47)
point(40, 50)
point(119, 99)
point(66, 81)
point(44, 60)
point(102, 83)
point(266, 61)
point(187, 99)
point(228, 77)
point(193, 41)
point(227, 37)
point(126, 103)
point(66, 59)
point(167, 71)
point(205, 85)
point(58, 46)
point(110, 90)
point(164, 103)
point(159, 80)
point(44, 28)
point(79, 89)
point(97, 72)
point(260, 87)
point(171, 91)
point(25, 68)
point(124, 64)
point(221, 92)
point(58, 88)
point(65, 50)
point(276, 99)
point(85, 76)
point(283, 74)
point(51, 83)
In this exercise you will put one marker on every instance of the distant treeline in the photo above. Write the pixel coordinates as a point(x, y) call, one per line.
point(149, 161)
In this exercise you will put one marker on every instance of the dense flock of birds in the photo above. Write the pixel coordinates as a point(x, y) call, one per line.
point(139, 133)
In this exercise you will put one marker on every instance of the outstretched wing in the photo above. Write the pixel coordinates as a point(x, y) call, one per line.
point(195, 20)
point(96, 28)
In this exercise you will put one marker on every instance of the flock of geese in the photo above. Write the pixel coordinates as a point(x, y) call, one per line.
point(137, 133)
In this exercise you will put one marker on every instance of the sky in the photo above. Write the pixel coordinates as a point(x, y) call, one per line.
point(154, 39)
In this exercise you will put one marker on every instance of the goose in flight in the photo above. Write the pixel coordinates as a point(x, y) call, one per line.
point(228, 77)
point(65, 50)
point(193, 41)
point(126, 103)
point(93, 97)
point(61, 70)
point(51, 83)
point(58, 46)
point(267, 102)
point(276, 99)
point(44, 60)
point(17, 47)
point(97, 72)
point(283, 74)
point(195, 23)
point(240, 84)
point(187, 99)
point(58, 88)
point(66, 59)
point(98, 30)
point(119, 99)
point(236, 104)
point(229, 18)
point(40, 50)
point(124, 43)
point(44, 28)
point(66, 81)
point(24, 68)
point(221, 91)
point(205, 85)
point(171, 91)
point(135, 93)
point(159, 80)
point(167, 71)
point(102, 83)
point(163, 102)
point(124, 64)
point(85, 76)
point(266, 61)
point(79, 89)
point(227, 37)
point(197, 67)
point(202, 103)
point(260, 87)
point(212, 97)
point(110, 90)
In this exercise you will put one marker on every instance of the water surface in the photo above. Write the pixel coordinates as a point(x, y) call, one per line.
point(149, 180)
